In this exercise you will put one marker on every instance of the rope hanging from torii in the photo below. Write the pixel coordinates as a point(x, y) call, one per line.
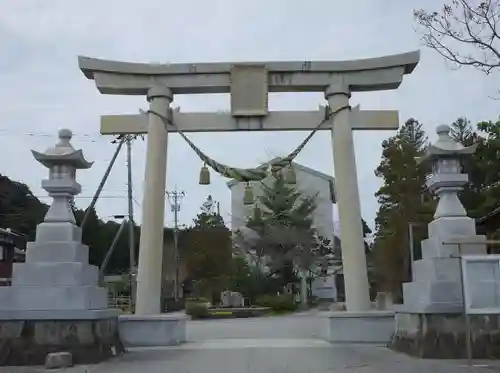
point(249, 174)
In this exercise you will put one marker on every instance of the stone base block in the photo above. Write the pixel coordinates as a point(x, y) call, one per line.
point(48, 232)
point(27, 342)
point(429, 293)
point(152, 330)
point(105, 313)
point(54, 274)
point(446, 227)
point(359, 327)
point(52, 298)
point(437, 269)
point(57, 252)
point(443, 336)
point(433, 247)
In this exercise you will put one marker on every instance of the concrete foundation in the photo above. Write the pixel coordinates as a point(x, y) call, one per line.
point(27, 342)
point(152, 330)
point(357, 327)
point(444, 335)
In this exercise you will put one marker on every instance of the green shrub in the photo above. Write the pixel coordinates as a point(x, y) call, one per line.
point(198, 299)
point(197, 310)
point(280, 303)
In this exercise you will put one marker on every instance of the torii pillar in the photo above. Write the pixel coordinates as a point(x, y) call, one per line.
point(249, 113)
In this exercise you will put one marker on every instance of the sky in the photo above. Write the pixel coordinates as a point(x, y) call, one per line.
point(42, 89)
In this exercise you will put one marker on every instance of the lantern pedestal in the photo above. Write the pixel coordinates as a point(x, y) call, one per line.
point(55, 303)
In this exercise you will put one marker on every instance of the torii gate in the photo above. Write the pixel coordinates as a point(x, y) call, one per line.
point(249, 84)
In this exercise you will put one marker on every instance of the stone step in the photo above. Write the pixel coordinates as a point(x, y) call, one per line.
point(54, 274)
point(427, 292)
point(58, 232)
point(434, 248)
point(57, 252)
point(56, 298)
point(436, 269)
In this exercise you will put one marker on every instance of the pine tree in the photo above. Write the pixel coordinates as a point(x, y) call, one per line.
point(463, 132)
point(209, 217)
point(207, 250)
point(402, 200)
point(91, 236)
point(283, 220)
point(484, 173)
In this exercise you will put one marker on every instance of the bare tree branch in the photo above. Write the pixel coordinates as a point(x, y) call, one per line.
point(464, 33)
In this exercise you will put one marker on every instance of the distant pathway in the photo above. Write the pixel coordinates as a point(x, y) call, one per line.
point(303, 325)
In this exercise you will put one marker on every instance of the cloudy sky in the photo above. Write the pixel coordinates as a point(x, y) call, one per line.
point(42, 89)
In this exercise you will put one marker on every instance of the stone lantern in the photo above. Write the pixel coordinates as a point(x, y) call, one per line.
point(56, 288)
point(447, 178)
point(62, 160)
point(430, 322)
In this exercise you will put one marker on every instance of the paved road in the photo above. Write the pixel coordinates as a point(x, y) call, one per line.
point(277, 356)
point(285, 344)
point(300, 325)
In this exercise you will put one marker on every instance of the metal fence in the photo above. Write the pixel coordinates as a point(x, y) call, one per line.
point(119, 302)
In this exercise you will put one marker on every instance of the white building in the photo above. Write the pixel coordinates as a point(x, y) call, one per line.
point(309, 182)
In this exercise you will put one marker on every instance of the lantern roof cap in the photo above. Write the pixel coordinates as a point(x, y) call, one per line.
point(446, 146)
point(62, 153)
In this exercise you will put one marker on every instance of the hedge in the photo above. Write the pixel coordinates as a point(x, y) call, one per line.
point(282, 302)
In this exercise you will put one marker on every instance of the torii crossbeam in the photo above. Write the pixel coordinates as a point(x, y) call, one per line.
point(274, 121)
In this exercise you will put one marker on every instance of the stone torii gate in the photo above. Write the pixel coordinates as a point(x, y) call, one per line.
point(249, 85)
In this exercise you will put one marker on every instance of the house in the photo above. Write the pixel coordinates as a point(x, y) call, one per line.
point(309, 182)
point(12, 250)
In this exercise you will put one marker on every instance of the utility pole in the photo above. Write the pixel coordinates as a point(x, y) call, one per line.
point(131, 224)
point(175, 198)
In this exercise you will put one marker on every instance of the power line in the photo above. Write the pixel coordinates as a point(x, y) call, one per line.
point(35, 134)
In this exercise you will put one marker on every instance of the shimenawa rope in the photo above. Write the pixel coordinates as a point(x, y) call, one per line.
point(249, 174)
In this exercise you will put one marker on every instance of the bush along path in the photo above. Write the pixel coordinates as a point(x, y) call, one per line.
point(266, 305)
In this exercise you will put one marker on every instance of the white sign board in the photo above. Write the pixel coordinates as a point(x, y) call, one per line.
point(324, 287)
point(481, 281)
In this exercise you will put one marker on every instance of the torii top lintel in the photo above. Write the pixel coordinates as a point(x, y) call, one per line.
point(371, 74)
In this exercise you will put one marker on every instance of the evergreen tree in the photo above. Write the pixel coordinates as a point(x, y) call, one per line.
point(207, 250)
point(209, 215)
point(463, 132)
point(484, 171)
point(283, 220)
point(20, 210)
point(403, 199)
point(91, 236)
